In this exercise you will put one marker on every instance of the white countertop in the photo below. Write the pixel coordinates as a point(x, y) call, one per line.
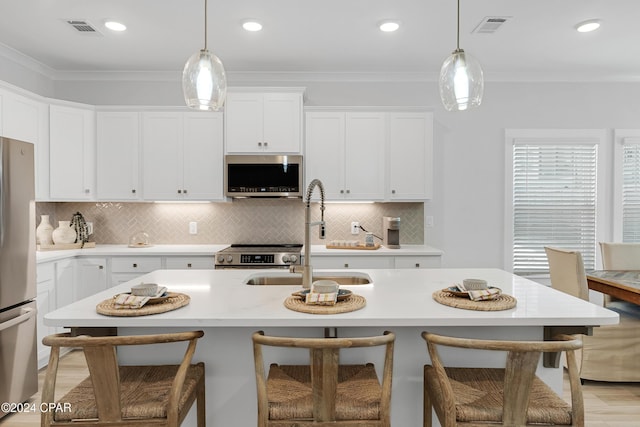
point(396, 298)
point(195, 250)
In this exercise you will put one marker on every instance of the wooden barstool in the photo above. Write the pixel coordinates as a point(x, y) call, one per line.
point(125, 396)
point(324, 392)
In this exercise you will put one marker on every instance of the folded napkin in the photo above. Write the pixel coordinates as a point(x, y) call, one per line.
point(129, 301)
point(484, 294)
point(325, 298)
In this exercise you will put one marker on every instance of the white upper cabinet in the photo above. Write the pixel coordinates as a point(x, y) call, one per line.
point(27, 119)
point(182, 155)
point(263, 122)
point(410, 156)
point(118, 147)
point(345, 150)
point(72, 153)
point(370, 155)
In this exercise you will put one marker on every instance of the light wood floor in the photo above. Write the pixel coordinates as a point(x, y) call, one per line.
point(607, 404)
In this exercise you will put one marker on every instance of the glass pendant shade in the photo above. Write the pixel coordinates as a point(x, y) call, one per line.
point(461, 82)
point(204, 82)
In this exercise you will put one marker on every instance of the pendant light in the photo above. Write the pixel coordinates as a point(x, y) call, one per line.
point(204, 81)
point(461, 79)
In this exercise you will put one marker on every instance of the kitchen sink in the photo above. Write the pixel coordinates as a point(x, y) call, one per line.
point(295, 279)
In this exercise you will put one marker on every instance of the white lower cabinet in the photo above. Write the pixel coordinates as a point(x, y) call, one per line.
point(91, 277)
point(124, 269)
point(46, 302)
point(190, 263)
point(348, 262)
point(410, 261)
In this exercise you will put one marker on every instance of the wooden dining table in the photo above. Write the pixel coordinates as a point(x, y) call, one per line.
point(621, 284)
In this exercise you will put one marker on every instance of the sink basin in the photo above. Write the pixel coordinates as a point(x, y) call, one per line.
point(342, 278)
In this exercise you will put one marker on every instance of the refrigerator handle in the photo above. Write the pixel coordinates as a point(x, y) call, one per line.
point(26, 315)
point(1, 193)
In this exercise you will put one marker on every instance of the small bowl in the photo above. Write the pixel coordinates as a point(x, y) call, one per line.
point(324, 286)
point(144, 290)
point(474, 284)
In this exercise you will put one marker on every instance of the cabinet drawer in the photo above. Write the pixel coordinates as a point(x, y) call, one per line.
point(194, 263)
point(417, 262)
point(45, 272)
point(135, 264)
point(341, 262)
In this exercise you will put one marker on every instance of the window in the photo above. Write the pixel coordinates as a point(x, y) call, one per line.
point(552, 196)
point(627, 186)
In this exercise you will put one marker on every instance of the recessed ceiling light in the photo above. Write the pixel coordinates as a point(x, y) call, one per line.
point(389, 26)
point(252, 25)
point(587, 26)
point(114, 25)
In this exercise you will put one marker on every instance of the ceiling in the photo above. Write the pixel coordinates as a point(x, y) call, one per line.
point(329, 37)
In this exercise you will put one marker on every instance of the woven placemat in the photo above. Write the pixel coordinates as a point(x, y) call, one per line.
point(501, 302)
point(176, 300)
point(352, 303)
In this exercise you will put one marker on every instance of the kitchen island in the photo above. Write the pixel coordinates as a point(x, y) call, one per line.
point(398, 300)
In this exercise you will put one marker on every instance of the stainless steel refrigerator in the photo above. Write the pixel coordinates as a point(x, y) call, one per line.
point(18, 352)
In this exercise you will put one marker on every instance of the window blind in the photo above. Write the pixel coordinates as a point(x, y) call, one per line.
point(631, 190)
point(554, 203)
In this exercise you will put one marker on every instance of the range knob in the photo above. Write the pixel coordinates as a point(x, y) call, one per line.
point(229, 258)
point(293, 258)
point(285, 258)
point(220, 258)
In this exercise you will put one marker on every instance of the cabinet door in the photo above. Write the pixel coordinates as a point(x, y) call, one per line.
point(118, 146)
point(410, 156)
point(65, 282)
point(364, 156)
point(324, 152)
point(243, 122)
point(92, 277)
point(282, 122)
point(45, 302)
point(162, 155)
point(346, 262)
point(28, 120)
point(71, 153)
point(203, 156)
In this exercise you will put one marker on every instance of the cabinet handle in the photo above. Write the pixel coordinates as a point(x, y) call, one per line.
point(259, 144)
point(133, 191)
point(184, 191)
point(341, 191)
point(135, 265)
point(189, 265)
point(179, 191)
point(100, 267)
point(417, 265)
point(87, 191)
point(266, 144)
point(393, 191)
point(348, 191)
point(346, 265)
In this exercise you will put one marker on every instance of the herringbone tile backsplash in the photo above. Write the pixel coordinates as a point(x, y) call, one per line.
point(240, 221)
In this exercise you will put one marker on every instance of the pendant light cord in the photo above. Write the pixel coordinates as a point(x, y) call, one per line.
point(205, 24)
point(458, 33)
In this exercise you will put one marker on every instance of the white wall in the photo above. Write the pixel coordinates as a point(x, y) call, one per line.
point(469, 147)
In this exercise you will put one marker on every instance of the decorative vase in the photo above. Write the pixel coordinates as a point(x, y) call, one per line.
point(44, 230)
point(64, 233)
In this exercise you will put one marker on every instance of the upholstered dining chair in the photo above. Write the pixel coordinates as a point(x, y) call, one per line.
point(323, 392)
point(509, 396)
point(620, 256)
point(611, 352)
point(125, 396)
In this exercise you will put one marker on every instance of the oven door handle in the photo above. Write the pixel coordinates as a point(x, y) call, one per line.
point(27, 314)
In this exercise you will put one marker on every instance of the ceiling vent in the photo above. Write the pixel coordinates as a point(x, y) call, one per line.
point(83, 27)
point(490, 24)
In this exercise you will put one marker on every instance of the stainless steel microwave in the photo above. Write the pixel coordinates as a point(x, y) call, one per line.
point(263, 176)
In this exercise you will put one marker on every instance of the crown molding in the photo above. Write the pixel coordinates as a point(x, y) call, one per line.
point(25, 61)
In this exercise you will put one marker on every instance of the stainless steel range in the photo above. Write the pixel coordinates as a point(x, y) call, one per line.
point(258, 256)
